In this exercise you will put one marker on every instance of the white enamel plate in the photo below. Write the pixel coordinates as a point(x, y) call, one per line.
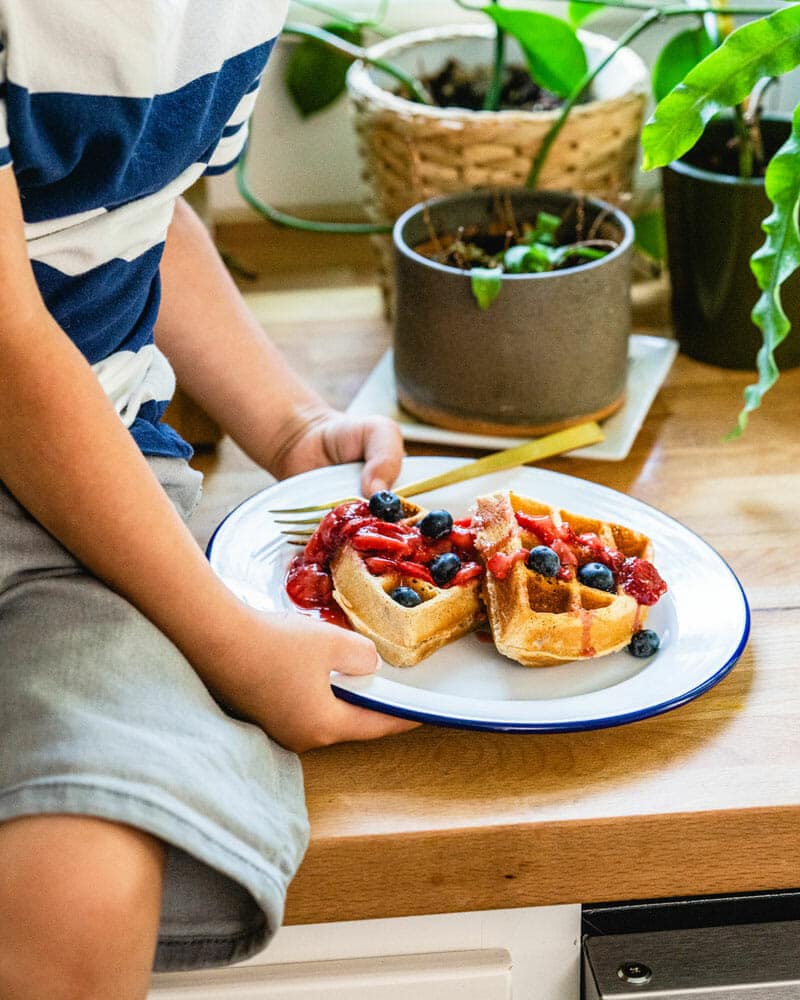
point(703, 619)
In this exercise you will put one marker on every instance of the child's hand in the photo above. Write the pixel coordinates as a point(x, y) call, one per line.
point(336, 438)
point(276, 673)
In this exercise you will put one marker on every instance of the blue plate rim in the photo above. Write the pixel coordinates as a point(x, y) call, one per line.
point(480, 725)
point(584, 725)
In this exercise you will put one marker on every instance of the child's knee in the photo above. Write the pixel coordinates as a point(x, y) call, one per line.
point(79, 906)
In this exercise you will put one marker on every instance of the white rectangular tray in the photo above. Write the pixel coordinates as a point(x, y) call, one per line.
point(649, 361)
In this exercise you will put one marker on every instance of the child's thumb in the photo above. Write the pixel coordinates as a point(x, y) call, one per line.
point(356, 655)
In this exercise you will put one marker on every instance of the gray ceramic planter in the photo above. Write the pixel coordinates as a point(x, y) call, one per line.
point(551, 350)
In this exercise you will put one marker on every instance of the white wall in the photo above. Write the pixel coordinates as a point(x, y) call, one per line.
point(293, 162)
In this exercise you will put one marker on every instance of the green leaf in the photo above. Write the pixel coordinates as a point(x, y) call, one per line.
point(575, 250)
point(515, 259)
point(526, 259)
point(555, 56)
point(651, 237)
point(769, 46)
point(486, 284)
point(579, 12)
point(315, 73)
point(775, 261)
point(681, 54)
point(546, 228)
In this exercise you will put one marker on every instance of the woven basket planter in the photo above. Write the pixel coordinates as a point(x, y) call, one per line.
point(411, 152)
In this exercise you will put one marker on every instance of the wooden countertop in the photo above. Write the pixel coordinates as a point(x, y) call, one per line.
point(704, 799)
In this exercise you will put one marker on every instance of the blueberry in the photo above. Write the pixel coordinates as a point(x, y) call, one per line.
point(444, 567)
point(385, 505)
point(436, 524)
point(543, 560)
point(597, 575)
point(405, 596)
point(644, 643)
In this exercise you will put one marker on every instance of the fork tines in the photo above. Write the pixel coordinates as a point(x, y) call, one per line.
point(297, 520)
point(299, 532)
point(307, 510)
point(300, 529)
point(552, 444)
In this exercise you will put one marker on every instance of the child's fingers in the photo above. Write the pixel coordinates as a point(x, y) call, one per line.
point(354, 655)
point(332, 720)
point(356, 723)
point(383, 454)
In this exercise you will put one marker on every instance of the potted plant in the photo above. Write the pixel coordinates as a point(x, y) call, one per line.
point(520, 66)
point(413, 151)
point(713, 219)
point(513, 310)
point(702, 69)
point(688, 140)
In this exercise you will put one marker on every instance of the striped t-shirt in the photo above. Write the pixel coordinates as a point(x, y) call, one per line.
point(108, 111)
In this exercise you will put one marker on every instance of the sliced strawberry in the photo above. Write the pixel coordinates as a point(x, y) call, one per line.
point(393, 530)
point(564, 552)
point(469, 571)
point(540, 525)
point(378, 565)
point(427, 549)
point(366, 540)
point(500, 563)
point(591, 549)
point(416, 570)
point(462, 538)
point(337, 525)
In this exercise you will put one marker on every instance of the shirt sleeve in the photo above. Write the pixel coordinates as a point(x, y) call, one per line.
point(234, 136)
point(5, 146)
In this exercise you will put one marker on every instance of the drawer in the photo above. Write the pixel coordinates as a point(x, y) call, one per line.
point(734, 962)
point(467, 975)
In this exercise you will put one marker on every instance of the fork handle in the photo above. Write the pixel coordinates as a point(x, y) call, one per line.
point(578, 436)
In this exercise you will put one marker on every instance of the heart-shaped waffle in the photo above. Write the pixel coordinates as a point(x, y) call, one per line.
point(542, 620)
point(355, 562)
point(379, 558)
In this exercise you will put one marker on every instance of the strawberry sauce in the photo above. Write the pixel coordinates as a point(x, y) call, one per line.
point(385, 548)
point(637, 577)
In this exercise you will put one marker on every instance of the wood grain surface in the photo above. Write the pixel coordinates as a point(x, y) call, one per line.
point(704, 799)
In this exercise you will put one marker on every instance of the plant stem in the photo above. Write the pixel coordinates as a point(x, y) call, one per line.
point(552, 134)
point(279, 218)
point(752, 121)
point(745, 143)
point(725, 26)
point(332, 41)
point(344, 18)
point(492, 100)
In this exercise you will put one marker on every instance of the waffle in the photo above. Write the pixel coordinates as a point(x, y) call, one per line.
point(543, 621)
point(403, 635)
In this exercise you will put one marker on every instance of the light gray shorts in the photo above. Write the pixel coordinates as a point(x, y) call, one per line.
point(100, 715)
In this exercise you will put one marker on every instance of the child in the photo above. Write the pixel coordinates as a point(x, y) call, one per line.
point(144, 810)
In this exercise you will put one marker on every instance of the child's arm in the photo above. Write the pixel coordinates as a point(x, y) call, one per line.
point(68, 459)
point(226, 362)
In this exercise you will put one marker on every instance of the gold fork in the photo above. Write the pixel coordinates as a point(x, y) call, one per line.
point(301, 528)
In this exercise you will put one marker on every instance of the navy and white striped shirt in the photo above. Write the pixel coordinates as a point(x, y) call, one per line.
point(109, 110)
